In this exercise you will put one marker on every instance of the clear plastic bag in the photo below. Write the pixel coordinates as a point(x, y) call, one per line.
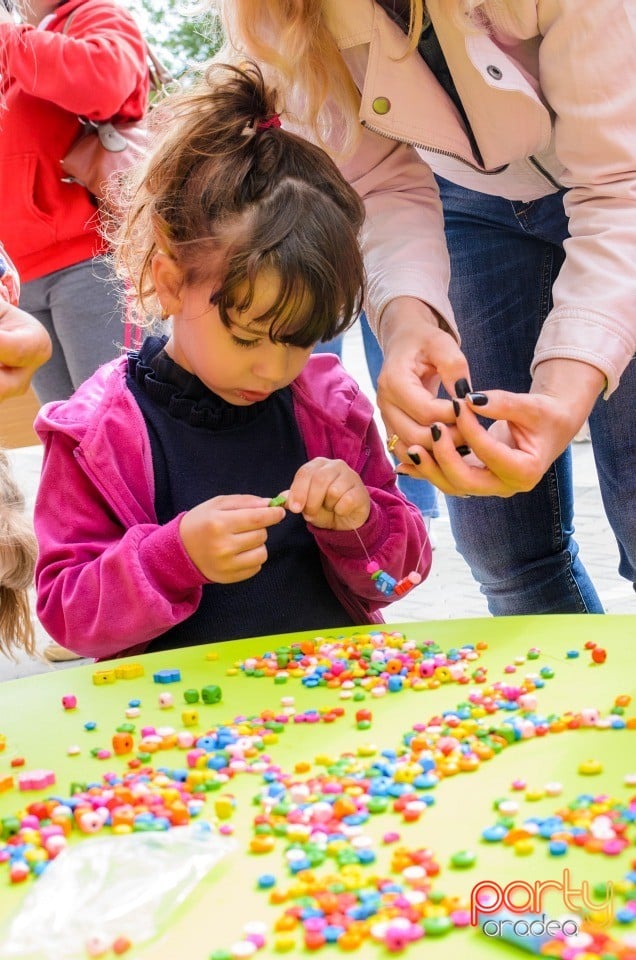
point(109, 887)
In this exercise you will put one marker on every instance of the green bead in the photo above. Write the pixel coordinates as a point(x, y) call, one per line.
point(436, 896)
point(191, 696)
point(126, 728)
point(463, 859)
point(436, 926)
point(211, 693)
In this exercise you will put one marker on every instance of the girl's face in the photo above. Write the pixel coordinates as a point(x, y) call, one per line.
point(240, 363)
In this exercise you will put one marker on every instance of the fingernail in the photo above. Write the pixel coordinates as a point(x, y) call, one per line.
point(463, 450)
point(477, 399)
point(456, 407)
point(435, 432)
point(462, 387)
point(415, 457)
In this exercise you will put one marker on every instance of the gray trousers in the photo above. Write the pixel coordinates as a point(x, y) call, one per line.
point(82, 308)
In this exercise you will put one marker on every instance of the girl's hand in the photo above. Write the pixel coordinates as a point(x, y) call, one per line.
point(330, 495)
point(24, 346)
point(225, 537)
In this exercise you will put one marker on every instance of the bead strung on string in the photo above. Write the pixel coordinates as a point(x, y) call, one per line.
point(388, 585)
point(384, 582)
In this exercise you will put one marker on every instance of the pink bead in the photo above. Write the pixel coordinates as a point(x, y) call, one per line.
point(460, 918)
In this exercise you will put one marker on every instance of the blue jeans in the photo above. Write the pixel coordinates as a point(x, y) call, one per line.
point(505, 257)
point(420, 492)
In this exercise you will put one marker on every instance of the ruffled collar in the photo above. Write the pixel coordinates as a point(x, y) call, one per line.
point(182, 394)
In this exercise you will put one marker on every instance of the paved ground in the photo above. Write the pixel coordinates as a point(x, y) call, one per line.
point(450, 590)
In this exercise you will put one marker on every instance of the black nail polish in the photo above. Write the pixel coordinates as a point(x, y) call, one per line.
point(435, 432)
point(456, 407)
point(463, 450)
point(462, 387)
point(415, 457)
point(477, 399)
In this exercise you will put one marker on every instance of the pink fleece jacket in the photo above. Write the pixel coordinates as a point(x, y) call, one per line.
point(109, 578)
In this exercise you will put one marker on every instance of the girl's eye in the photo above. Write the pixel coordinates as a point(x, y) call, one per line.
point(244, 343)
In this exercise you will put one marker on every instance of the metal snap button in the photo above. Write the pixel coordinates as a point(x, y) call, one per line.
point(494, 72)
point(381, 105)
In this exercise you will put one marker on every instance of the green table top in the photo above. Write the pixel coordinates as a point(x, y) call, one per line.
point(38, 729)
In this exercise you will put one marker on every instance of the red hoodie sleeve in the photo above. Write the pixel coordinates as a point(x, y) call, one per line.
point(97, 69)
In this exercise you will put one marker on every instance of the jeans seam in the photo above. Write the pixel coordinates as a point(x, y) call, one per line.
point(557, 531)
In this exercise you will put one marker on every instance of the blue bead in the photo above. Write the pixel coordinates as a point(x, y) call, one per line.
point(266, 880)
point(625, 915)
point(366, 856)
point(494, 834)
point(558, 848)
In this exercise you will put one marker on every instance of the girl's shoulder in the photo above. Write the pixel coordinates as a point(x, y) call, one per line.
point(101, 400)
point(325, 386)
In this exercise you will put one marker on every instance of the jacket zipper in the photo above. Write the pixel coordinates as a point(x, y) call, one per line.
point(441, 153)
point(544, 173)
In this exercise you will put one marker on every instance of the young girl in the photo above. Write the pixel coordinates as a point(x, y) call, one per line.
point(153, 517)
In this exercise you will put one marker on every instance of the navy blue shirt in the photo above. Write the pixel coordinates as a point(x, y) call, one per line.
point(204, 447)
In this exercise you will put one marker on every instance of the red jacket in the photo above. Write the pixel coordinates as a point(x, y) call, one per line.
point(49, 78)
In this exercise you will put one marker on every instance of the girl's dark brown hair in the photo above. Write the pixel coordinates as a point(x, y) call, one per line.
point(229, 198)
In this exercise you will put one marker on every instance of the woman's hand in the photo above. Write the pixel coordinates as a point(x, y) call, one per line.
point(528, 434)
point(330, 495)
point(24, 346)
point(418, 355)
point(225, 537)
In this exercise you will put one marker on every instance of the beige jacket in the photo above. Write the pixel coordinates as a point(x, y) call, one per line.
point(550, 93)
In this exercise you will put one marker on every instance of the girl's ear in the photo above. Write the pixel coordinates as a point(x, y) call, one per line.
point(168, 279)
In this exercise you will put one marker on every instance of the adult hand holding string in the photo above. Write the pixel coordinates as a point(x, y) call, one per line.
point(225, 537)
point(418, 356)
point(529, 432)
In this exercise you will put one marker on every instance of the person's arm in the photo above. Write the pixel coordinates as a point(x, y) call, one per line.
point(103, 588)
point(92, 70)
point(589, 336)
point(24, 343)
point(24, 347)
point(408, 273)
point(593, 320)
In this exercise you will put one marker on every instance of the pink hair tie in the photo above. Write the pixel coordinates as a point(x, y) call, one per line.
point(273, 121)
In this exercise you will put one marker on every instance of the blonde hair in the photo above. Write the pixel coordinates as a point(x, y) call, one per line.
point(18, 551)
point(293, 44)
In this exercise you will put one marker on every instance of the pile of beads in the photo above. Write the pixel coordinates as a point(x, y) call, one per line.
point(597, 823)
point(378, 660)
point(144, 800)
